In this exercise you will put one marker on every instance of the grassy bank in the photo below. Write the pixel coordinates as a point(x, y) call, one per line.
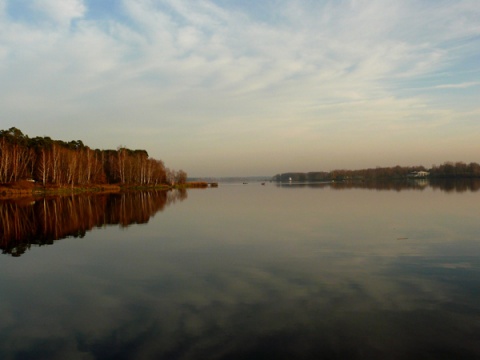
point(29, 189)
point(192, 184)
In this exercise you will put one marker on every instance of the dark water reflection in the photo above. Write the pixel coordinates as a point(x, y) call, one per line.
point(447, 185)
point(39, 222)
point(257, 272)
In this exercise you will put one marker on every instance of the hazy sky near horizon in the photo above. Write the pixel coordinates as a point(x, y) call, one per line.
point(228, 88)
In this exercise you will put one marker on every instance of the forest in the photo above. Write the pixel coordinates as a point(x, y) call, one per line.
point(59, 163)
point(446, 170)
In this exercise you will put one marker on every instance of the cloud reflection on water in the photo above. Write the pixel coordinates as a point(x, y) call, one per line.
point(258, 279)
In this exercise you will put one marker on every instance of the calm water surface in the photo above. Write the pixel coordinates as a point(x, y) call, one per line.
point(243, 272)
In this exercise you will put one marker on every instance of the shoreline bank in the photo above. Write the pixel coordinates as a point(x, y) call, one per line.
point(26, 189)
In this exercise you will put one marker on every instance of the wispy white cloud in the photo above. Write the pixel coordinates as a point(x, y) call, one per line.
point(463, 85)
point(61, 11)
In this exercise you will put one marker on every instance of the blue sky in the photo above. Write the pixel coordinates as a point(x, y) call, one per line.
point(227, 88)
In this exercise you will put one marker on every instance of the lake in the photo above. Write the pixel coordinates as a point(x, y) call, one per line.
point(292, 271)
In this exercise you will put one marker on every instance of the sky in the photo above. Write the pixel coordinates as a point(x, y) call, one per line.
point(243, 88)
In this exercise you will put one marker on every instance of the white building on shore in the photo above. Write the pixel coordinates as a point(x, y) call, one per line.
point(419, 174)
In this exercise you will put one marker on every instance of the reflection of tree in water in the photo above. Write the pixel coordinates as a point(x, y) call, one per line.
point(456, 185)
point(447, 185)
point(23, 223)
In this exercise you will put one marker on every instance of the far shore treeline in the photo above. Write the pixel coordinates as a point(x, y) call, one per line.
point(446, 170)
point(59, 163)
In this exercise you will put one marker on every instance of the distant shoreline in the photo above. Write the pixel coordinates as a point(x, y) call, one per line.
point(457, 170)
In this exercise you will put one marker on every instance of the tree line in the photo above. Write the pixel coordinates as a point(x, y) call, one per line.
point(446, 170)
point(60, 163)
